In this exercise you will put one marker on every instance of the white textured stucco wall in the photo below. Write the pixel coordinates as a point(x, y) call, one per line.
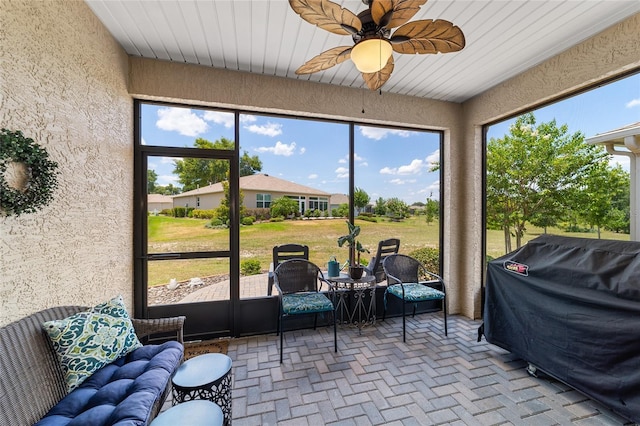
point(63, 82)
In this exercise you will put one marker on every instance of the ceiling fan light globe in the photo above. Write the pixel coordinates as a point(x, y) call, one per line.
point(371, 55)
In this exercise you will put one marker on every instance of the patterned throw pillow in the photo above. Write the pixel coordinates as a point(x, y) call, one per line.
point(87, 341)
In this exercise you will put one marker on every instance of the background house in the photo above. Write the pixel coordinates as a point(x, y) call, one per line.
point(259, 191)
point(159, 202)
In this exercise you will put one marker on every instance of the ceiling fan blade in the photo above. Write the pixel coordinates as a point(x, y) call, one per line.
point(376, 80)
point(427, 36)
point(325, 60)
point(393, 13)
point(327, 15)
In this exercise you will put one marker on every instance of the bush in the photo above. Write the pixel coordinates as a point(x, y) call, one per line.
point(167, 212)
point(250, 266)
point(259, 214)
point(248, 220)
point(277, 219)
point(203, 214)
point(368, 218)
point(190, 211)
point(215, 223)
point(179, 212)
point(429, 257)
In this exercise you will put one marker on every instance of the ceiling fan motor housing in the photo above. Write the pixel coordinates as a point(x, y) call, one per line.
point(369, 28)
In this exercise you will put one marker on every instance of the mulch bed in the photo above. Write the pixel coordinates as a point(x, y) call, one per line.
point(161, 295)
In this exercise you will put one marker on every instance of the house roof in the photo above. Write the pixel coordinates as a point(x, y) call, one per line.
point(260, 182)
point(159, 198)
point(616, 136)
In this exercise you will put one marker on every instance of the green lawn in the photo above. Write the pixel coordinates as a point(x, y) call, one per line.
point(168, 234)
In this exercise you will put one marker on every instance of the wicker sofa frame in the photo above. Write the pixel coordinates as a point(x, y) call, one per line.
point(31, 381)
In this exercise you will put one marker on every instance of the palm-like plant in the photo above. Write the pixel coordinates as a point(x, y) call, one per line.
point(355, 247)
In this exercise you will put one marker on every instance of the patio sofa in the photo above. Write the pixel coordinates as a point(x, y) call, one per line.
point(128, 391)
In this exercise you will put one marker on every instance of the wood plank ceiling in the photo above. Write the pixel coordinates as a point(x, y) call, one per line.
point(503, 38)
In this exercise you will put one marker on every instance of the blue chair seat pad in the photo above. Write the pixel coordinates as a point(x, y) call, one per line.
point(305, 303)
point(414, 292)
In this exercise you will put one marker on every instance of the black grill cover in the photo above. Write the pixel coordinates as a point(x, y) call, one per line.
point(571, 307)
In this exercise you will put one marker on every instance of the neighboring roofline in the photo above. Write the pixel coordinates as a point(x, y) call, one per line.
point(616, 136)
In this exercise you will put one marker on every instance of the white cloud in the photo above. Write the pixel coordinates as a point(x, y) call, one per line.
point(342, 161)
point(312, 176)
point(414, 168)
point(167, 179)
point(378, 133)
point(247, 118)
point(402, 181)
point(433, 158)
point(633, 103)
point(411, 169)
point(302, 150)
point(279, 149)
point(224, 118)
point(342, 172)
point(269, 129)
point(181, 120)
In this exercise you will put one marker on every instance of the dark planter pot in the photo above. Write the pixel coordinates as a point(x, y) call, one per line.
point(355, 272)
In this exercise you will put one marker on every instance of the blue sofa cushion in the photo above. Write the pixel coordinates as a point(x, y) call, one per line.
point(121, 393)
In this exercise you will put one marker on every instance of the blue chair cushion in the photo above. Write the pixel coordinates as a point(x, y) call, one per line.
point(305, 303)
point(415, 292)
point(121, 393)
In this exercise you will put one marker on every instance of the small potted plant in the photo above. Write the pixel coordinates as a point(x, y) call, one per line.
point(355, 248)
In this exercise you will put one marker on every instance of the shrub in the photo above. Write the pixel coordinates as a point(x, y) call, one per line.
point(250, 266)
point(248, 220)
point(368, 218)
point(429, 257)
point(167, 212)
point(276, 219)
point(189, 212)
point(179, 212)
point(259, 214)
point(284, 206)
point(215, 223)
point(203, 214)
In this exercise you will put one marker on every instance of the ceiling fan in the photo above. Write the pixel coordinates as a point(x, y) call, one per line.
point(371, 33)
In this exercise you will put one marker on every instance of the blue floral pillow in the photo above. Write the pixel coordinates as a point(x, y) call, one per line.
point(87, 341)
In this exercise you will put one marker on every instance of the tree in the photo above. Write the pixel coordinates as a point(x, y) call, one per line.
point(152, 179)
point(223, 210)
point(603, 187)
point(432, 210)
point(533, 169)
point(283, 206)
point(360, 199)
point(397, 209)
point(249, 165)
point(198, 172)
point(381, 207)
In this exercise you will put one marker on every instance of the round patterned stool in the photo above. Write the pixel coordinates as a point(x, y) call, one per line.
point(192, 413)
point(205, 377)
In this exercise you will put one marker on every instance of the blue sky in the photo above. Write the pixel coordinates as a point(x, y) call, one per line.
point(388, 162)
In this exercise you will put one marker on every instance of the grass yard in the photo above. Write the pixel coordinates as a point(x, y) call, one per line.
point(167, 234)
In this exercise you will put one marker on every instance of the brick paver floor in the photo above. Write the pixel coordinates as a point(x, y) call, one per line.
point(377, 379)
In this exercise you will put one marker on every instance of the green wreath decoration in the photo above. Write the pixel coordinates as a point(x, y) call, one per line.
point(42, 175)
